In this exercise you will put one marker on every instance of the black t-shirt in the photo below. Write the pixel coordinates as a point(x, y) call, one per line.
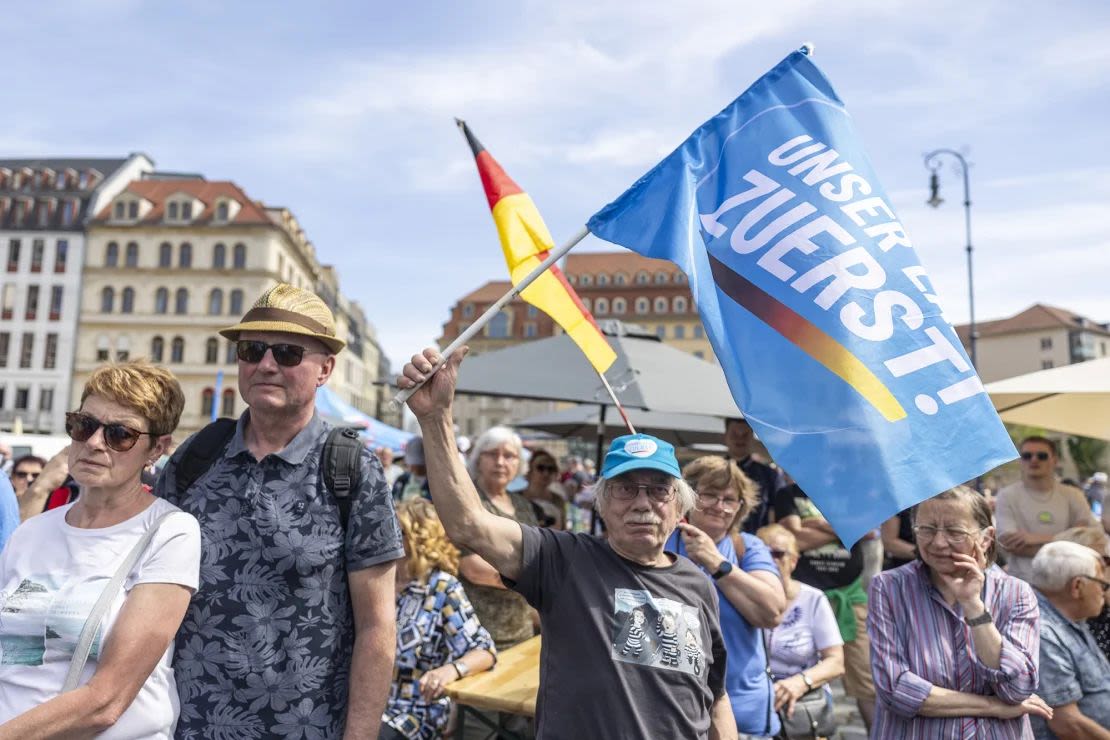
point(766, 479)
point(825, 567)
point(905, 532)
point(629, 652)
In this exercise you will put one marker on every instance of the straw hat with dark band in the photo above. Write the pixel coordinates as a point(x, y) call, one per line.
point(293, 311)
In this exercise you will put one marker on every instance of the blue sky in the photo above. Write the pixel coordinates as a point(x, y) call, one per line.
point(343, 111)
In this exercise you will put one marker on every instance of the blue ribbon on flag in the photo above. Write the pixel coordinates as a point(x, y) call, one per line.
point(826, 325)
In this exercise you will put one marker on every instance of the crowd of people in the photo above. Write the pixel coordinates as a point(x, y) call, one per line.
point(272, 577)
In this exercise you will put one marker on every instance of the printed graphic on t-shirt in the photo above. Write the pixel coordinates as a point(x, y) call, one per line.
point(41, 621)
point(661, 633)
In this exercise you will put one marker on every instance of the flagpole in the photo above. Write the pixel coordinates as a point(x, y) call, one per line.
point(612, 395)
point(552, 257)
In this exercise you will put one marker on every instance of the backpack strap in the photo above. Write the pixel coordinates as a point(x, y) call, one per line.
point(202, 450)
point(342, 468)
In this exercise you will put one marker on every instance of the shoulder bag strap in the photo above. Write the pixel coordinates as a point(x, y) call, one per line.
point(92, 623)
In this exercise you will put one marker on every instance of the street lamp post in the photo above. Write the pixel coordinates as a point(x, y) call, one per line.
point(932, 161)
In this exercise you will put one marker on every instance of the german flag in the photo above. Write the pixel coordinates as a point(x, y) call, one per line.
point(526, 242)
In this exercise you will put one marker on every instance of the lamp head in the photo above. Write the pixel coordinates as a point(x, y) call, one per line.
point(934, 191)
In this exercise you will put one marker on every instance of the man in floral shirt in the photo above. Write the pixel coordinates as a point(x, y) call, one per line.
point(294, 612)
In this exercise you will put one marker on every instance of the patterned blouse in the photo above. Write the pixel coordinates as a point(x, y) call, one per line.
point(1100, 628)
point(435, 625)
point(919, 641)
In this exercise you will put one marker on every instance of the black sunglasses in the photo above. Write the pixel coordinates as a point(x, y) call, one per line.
point(547, 469)
point(1042, 456)
point(286, 355)
point(120, 437)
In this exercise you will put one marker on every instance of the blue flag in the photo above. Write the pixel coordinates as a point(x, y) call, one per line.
point(823, 319)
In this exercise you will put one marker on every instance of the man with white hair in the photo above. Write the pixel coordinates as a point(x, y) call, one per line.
point(1074, 674)
point(632, 645)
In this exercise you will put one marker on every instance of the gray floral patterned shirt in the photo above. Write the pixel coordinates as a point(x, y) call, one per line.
point(265, 648)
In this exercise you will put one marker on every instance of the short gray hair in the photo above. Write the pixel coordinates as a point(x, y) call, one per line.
point(492, 437)
point(1058, 562)
point(684, 494)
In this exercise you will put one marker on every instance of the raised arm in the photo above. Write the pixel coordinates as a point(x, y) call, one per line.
point(497, 539)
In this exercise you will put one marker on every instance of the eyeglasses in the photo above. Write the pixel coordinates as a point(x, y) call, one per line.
point(1105, 585)
point(1042, 456)
point(546, 469)
point(954, 535)
point(120, 437)
point(286, 355)
point(729, 505)
point(660, 493)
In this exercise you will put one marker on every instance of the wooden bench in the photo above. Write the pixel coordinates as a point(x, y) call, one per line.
point(510, 687)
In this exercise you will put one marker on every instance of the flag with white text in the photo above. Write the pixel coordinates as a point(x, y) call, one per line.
point(825, 322)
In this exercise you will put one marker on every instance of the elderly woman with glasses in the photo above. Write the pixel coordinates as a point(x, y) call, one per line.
point(58, 564)
point(749, 590)
point(954, 640)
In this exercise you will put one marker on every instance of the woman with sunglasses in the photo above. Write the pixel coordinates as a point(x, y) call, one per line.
point(543, 472)
point(749, 590)
point(805, 651)
point(954, 640)
point(58, 564)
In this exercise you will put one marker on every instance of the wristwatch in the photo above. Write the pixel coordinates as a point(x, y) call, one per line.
point(461, 668)
point(722, 570)
point(807, 681)
point(983, 618)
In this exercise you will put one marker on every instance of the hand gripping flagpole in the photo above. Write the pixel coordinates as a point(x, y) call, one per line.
point(554, 256)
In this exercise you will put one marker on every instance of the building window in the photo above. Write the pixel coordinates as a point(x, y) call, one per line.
point(102, 348)
point(467, 310)
point(181, 302)
point(157, 348)
point(661, 331)
point(133, 209)
point(207, 398)
point(211, 351)
point(55, 302)
point(620, 306)
point(500, 326)
point(239, 257)
point(46, 399)
point(642, 305)
point(187, 211)
point(22, 398)
point(38, 248)
point(620, 279)
point(679, 331)
point(601, 306)
point(161, 301)
point(185, 256)
point(123, 349)
point(221, 211)
point(31, 310)
point(26, 350)
point(235, 302)
point(61, 252)
point(1046, 342)
point(165, 254)
point(13, 255)
point(699, 331)
point(121, 208)
point(171, 211)
point(50, 358)
point(127, 301)
point(228, 405)
point(533, 312)
point(586, 303)
point(69, 212)
point(5, 346)
point(680, 277)
point(529, 329)
point(8, 301)
point(660, 305)
point(587, 280)
point(661, 278)
point(602, 279)
point(642, 278)
point(177, 350)
point(1047, 364)
point(219, 257)
point(230, 356)
point(215, 302)
point(107, 300)
point(680, 304)
point(132, 257)
point(111, 255)
point(572, 279)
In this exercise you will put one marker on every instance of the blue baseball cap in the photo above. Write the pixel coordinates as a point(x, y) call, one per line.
point(639, 452)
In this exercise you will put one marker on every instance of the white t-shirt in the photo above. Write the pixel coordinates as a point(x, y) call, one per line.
point(808, 627)
point(51, 575)
point(1044, 513)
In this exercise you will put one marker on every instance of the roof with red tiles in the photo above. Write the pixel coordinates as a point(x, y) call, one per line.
point(206, 191)
point(1037, 317)
point(613, 262)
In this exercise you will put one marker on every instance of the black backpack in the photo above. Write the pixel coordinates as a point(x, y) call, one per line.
point(340, 461)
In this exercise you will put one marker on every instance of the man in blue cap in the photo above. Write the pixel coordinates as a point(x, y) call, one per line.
point(632, 645)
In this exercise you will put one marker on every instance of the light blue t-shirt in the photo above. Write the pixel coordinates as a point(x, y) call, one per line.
point(749, 688)
point(9, 510)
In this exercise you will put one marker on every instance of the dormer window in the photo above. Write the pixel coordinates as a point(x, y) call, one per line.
point(133, 209)
point(121, 209)
point(221, 211)
point(171, 211)
point(186, 211)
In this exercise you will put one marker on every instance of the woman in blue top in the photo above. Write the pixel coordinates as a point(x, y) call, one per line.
point(748, 585)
